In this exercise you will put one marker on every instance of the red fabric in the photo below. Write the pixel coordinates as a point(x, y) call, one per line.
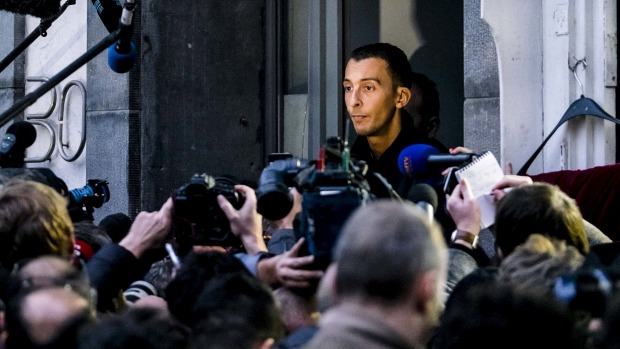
point(83, 249)
point(596, 191)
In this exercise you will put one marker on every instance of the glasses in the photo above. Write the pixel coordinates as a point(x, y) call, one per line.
point(67, 276)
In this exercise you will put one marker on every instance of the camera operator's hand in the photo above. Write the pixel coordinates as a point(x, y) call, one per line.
point(245, 223)
point(464, 209)
point(286, 269)
point(148, 230)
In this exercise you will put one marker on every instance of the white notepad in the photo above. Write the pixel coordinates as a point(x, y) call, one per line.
point(482, 174)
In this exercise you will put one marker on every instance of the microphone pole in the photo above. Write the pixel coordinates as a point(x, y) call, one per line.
point(41, 30)
point(32, 97)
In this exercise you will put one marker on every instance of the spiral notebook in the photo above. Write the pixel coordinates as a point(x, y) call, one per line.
point(482, 174)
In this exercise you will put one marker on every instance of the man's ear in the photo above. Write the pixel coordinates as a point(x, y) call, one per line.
point(403, 95)
point(425, 291)
point(433, 127)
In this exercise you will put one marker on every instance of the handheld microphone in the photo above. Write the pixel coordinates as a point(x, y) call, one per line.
point(37, 8)
point(18, 137)
point(423, 160)
point(424, 196)
point(122, 54)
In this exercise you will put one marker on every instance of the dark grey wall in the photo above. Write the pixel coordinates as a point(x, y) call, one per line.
point(12, 29)
point(441, 59)
point(481, 84)
point(113, 131)
point(202, 91)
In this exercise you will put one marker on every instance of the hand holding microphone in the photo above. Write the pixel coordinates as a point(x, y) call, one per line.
point(423, 160)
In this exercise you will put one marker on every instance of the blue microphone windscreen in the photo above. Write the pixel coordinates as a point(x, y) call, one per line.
point(413, 159)
point(121, 62)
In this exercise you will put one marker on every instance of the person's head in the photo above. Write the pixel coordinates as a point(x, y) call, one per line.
point(135, 328)
point(297, 308)
point(495, 315)
point(47, 317)
point(424, 105)
point(52, 271)
point(223, 303)
point(116, 226)
point(538, 208)
point(34, 221)
point(89, 238)
point(536, 264)
point(377, 83)
point(236, 311)
point(390, 255)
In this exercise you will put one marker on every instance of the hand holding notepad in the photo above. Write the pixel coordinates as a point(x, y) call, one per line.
point(482, 174)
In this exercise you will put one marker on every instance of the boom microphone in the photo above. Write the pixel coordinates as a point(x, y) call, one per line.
point(423, 160)
point(18, 137)
point(122, 54)
point(109, 12)
point(37, 8)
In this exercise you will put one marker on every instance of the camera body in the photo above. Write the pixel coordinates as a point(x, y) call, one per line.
point(82, 201)
point(332, 187)
point(588, 289)
point(198, 218)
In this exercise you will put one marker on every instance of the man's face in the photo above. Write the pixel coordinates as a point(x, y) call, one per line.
point(370, 97)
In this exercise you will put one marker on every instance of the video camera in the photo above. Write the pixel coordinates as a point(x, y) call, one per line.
point(198, 218)
point(332, 187)
point(588, 289)
point(83, 200)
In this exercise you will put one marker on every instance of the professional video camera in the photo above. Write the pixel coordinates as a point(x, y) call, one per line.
point(332, 187)
point(198, 218)
point(588, 289)
point(82, 201)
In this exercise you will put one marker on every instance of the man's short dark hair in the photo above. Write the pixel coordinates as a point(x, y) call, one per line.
point(397, 61)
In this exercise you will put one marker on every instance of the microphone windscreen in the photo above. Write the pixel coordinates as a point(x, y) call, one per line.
point(121, 62)
point(37, 8)
point(423, 192)
point(412, 160)
point(24, 132)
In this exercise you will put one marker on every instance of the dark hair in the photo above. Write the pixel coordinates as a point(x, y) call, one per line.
point(135, 328)
point(491, 315)
point(92, 234)
point(538, 208)
point(197, 271)
point(430, 96)
point(398, 64)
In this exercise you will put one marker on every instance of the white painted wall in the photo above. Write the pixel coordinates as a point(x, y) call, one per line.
point(535, 41)
point(65, 41)
point(516, 27)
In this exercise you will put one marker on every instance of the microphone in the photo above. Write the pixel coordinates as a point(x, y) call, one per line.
point(19, 136)
point(423, 160)
point(122, 54)
point(109, 12)
point(425, 197)
point(37, 8)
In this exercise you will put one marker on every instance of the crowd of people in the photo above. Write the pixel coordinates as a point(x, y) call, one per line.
point(395, 277)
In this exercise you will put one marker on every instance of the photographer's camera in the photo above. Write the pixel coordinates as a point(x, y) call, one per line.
point(198, 218)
